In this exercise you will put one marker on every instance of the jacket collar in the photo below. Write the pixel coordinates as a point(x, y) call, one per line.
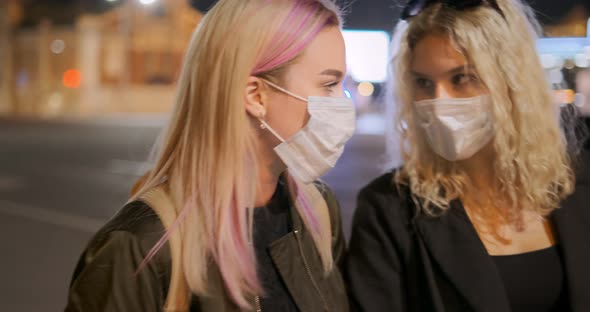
point(454, 244)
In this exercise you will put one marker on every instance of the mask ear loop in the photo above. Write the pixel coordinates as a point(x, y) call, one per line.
point(264, 126)
point(284, 90)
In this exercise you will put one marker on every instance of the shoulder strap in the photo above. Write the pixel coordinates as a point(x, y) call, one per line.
point(178, 297)
point(330, 212)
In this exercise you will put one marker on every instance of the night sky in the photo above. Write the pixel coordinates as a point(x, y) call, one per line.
point(361, 14)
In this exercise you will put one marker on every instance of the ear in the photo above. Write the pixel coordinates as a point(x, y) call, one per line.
point(255, 97)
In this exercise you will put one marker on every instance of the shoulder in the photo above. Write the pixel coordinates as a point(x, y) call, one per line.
point(135, 228)
point(136, 219)
point(382, 186)
point(580, 198)
point(582, 169)
point(576, 203)
point(382, 231)
point(384, 199)
point(108, 275)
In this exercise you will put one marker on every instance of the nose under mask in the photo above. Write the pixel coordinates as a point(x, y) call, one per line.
point(456, 128)
point(316, 148)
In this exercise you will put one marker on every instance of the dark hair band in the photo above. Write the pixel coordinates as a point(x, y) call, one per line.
point(415, 7)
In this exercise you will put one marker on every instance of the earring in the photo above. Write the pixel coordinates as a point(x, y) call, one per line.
point(261, 117)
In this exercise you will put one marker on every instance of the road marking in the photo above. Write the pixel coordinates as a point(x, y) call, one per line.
point(58, 218)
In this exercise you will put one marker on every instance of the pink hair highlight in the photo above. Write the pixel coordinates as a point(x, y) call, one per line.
point(152, 253)
point(305, 207)
point(237, 247)
point(291, 36)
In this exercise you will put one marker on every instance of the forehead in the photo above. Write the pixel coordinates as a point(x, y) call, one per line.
point(435, 55)
point(326, 50)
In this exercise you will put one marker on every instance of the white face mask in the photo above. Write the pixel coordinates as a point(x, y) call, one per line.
point(316, 148)
point(456, 128)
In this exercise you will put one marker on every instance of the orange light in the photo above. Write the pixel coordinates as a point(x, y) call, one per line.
point(565, 96)
point(72, 78)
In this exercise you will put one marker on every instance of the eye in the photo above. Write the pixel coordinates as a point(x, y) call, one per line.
point(331, 85)
point(461, 79)
point(423, 83)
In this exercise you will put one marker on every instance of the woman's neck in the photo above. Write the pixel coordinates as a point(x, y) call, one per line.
point(270, 168)
point(480, 170)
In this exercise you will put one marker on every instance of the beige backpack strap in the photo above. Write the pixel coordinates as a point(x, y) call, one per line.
point(178, 297)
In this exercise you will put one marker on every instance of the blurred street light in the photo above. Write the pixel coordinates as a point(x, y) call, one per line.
point(72, 78)
point(147, 2)
point(58, 46)
point(366, 89)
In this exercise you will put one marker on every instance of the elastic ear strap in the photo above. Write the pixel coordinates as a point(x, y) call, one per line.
point(284, 90)
point(178, 296)
point(271, 130)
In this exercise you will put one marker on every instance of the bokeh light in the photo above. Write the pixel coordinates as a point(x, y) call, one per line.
point(366, 88)
point(72, 78)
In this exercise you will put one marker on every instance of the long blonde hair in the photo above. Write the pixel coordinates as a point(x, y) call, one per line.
point(532, 166)
point(207, 153)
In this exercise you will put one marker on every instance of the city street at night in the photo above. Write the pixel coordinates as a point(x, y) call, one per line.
point(86, 87)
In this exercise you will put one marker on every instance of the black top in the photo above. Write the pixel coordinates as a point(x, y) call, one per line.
point(534, 281)
point(271, 223)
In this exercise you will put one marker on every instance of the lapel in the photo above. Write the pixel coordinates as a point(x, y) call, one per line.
point(296, 257)
point(455, 246)
point(572, 224)
point(286, 255)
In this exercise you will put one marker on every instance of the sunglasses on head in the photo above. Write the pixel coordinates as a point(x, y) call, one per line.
point(414, 7)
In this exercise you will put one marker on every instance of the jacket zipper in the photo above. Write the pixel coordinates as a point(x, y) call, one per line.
point(315, 285)
point(257, 304)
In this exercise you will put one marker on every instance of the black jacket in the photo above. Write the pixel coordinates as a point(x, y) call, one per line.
point(105, 280)
point(401, 260)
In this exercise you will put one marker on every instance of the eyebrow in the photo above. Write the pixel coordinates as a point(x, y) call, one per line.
point(456, 70)
point(332, 72)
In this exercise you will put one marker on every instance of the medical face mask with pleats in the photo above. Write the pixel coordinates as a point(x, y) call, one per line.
point(315, 148)
point(456, 128)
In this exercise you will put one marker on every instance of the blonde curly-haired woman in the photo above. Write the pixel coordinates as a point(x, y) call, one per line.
point(485, 214)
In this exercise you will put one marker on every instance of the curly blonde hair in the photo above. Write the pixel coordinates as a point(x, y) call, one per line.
point(532, 166)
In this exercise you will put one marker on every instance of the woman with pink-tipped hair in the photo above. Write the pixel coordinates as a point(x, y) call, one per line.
point(231, 216)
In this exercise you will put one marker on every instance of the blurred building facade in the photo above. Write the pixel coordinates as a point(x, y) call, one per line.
point(124, 60)
point(565, 55)
point(574, 24)
point(127, 59)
